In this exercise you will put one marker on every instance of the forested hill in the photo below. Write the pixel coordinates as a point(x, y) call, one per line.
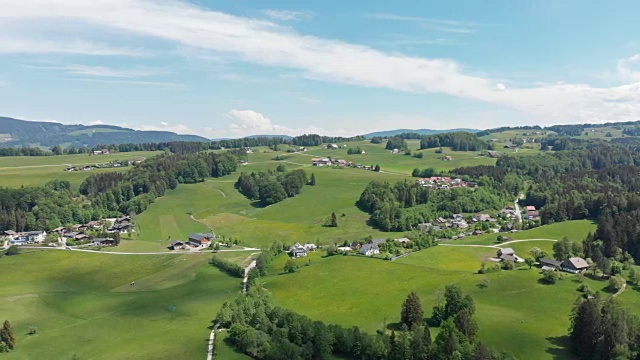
point(388, 133)
point(17, 132)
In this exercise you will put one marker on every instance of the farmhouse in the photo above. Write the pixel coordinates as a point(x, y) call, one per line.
point(297, 250)
point(378, 241)
point(201, 240)
point(403, 240)
point(530, 208)
point(549, 264)
point(177, 245)
point(574, 265)
point(321, 162)
point(310, 247)
point(355, 245)
point(369, 249)
point(482, 217)
point(509, 254)
point(103, 242)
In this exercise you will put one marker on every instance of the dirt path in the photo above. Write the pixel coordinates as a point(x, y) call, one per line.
point(622, 289)
point(211, 341)
point(245, 281)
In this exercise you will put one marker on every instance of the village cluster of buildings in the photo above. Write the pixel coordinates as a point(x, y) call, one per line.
point(338, 162)
point(76, 233)
point(572, 265)
point(444, 183)
point(456, 221)
point(370, 248)
point(113, 164)
point(194, 241)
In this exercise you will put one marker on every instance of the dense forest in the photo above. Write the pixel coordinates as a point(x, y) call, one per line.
point(271, 187)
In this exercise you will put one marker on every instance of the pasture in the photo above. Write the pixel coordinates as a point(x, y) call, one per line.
point(17, 171)
point(515, 313)
point(84, 304)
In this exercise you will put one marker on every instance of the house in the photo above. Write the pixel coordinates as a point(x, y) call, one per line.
point(177, 245)
point(493, 153)
point(532, 215)
point(201, 240)
point(574, 265)
point(71, 168)
point(10, 233)
point(248, 150)
point(243, 162)
point(310, 247)
point(355, 245)
point(344, 248)
point(506, 251)
point(403, 240)
point(103, 242)
point(321, 162)
point(94, 224)
point(80, 237)
point(378, 241)
point(121, 228)
point(477, 232)
point(297, 250)
point(447, 158)
point(395, 151)
point(508, 258)
point(333, 146)
point(482, 217)
point(369, 249)
point(530, 208)
point(86, 168)
point(547, 263)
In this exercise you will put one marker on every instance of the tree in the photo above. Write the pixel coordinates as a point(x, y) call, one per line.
point(290, 266)
point(634, 275)
point(12, 250)
point(563, 249)
point(550, 276)
point(420, 343)
point(616, 282)
point(411, 314)
point(312, 181)
point(529, 261)
point(376, 168)
point(332, 250)
point(500, 238)
point(333, 222)
point(281, 168)
point(6, 335)
point(485, 283)
point(536, 253)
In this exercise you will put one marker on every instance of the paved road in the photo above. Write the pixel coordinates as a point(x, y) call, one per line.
point(245, 281)
point(137, 253)
point(497, 246)
point(518, 214)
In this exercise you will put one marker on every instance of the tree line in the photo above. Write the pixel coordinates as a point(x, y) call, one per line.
point(270, 187)
point(458, 141)
point(227, 267)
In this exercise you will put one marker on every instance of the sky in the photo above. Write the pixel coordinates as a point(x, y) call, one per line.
point(231, 68)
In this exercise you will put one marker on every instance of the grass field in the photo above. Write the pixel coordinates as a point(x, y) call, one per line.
point(37, 170)
point(84, 304)
point(514, 313)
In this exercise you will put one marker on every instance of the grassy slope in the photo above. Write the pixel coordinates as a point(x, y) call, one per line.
point(515, 313)
point(84, 304)
point(37, 170)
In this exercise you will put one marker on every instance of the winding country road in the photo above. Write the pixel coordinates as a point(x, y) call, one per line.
point(497, 246)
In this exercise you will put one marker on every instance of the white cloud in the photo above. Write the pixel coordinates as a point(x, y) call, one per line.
point(10, 45)
point(444, 25)
point(626, 69)
point(96, 122)
point(287, 15)
point(266, 43)
point(164, 84)
point(102, 71)
point(500, 87)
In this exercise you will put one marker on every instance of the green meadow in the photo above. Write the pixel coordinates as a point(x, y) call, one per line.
point(84, 304)
point(515, 313)
point(16, 171)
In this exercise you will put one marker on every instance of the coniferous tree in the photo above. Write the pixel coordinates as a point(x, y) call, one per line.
point(312, 181)
point(6, 335)
point(334, 220)
point(411, 314)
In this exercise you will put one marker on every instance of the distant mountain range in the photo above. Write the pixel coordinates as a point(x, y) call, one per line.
point(389, 133)
point(14, 132)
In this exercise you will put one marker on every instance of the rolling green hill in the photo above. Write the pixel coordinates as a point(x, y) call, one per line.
point(34, 133)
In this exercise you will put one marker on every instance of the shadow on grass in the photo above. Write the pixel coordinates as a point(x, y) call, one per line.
point(562, 349)
point(257, 205)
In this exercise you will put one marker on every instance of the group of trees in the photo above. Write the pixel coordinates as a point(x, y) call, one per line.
point(396, 143)
point(271, 187)
point(355, 150)
point(458, 141)
point(135, 190)
point(228, 267)
point(602, 329)
point(402, 206)
point(264, 331)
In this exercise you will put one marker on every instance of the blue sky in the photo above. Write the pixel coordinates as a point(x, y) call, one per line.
point(236, 68)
